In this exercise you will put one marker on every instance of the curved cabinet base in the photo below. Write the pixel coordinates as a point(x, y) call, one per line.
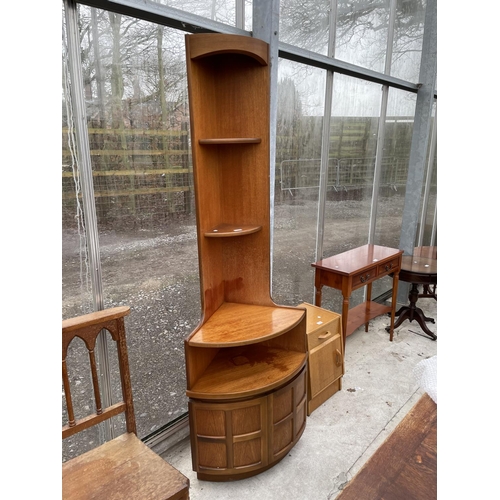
point(235, 440)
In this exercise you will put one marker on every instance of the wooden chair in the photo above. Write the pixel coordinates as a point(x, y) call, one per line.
point(123, 468)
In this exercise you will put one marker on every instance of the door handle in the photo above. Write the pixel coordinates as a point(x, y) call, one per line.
point(339, 358)
point(324, 335)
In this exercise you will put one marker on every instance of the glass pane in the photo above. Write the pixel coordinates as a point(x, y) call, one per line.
point(394, 168)
point(138, 126)
point(427, 235)
point(305, 24)
point(408, 36)
point(361, 32)
point(223, 11)
point(298, 151)
point(76, 285)
point(353, 142)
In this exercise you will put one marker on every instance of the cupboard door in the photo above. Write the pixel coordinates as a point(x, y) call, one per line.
point(229, 438)
point(325, 364)
point(288, 418)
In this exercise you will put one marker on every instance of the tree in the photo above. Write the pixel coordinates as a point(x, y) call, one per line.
point(360, 24)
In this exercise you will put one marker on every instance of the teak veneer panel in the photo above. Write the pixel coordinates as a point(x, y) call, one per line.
point(240, 324)
point(228, 81)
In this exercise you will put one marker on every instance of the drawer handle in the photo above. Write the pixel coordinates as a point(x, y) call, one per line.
point(339, 358)
point(388, 267)
point(364, 278)
point(324, 335)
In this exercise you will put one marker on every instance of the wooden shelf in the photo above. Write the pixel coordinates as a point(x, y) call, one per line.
point(230, 140)
point(247, 371)
point(243, 324)
point(231, 230)
point(363, 313)
point(212, 44)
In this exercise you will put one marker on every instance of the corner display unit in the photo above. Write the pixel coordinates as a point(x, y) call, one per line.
point(246, 361)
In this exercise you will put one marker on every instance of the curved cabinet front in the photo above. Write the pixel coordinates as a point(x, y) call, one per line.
point(234, 440)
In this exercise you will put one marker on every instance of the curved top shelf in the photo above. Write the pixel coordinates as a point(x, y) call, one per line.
point(211, 44)
point(230, 230)
point(243, 324)
point(231, 140)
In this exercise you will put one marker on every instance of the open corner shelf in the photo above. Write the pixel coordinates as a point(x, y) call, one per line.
point(236, 140)
point(243, 324)
point(246, 362)
point(231, 230)
point(247, 371)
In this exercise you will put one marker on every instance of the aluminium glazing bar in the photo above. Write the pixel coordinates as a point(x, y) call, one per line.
point(321, 61)
point(428, 178)
point(420, 138)
point(265, 26)
point(240, 14)
point(325, 139)
point(432, 243)
point(192, 23)
point(166, 16)
point(379, 154)
point(88, 200)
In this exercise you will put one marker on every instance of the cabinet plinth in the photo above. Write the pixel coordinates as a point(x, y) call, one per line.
point(246, 362)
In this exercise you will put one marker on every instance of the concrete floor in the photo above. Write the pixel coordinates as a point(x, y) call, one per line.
point(379, 388)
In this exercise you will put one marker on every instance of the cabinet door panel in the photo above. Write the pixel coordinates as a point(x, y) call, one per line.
point(225, 436)
point(247, 453)
point(325, 364)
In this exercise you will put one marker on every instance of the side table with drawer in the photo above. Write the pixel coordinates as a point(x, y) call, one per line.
point(354, 269)
point(326, 355)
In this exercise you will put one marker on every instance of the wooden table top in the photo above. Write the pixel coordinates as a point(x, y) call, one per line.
point(423, 261)
point(357, 259)
point(405, 466)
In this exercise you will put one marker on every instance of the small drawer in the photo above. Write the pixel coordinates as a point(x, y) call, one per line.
point(323, 334)
point(364, 277)
point(388, 267)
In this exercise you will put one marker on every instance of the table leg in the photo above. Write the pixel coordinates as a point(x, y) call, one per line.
point(395, 284)
point(345, 310)
point(317, 296)
point(368, 300)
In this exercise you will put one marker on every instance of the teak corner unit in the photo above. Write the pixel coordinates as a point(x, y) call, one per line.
point(246, 361)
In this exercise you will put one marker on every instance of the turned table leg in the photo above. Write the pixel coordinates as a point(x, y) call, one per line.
point(317, 296)
point(395, 284)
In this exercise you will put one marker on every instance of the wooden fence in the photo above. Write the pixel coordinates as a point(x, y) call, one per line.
point(145, 176)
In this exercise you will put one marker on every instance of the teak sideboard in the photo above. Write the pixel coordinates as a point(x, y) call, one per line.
point(246, 361)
